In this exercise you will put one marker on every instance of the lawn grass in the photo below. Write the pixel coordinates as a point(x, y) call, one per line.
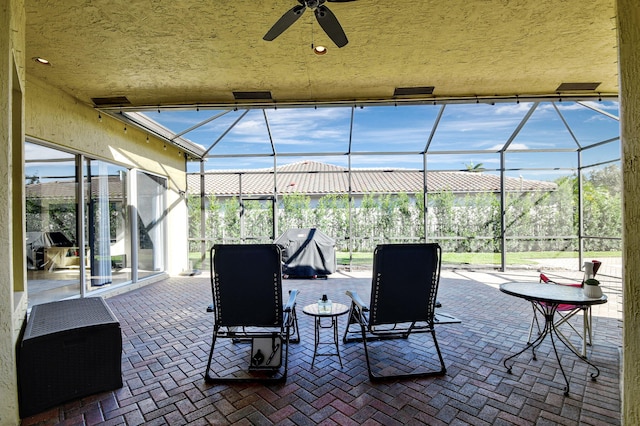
point(366, 259)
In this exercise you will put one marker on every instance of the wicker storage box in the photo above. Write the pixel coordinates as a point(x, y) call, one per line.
point(70, 349)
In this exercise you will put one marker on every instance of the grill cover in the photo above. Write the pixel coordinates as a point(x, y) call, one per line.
point(307, 252)
point(38, 241)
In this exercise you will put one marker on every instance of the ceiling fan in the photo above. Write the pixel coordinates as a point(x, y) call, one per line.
point(324, 16)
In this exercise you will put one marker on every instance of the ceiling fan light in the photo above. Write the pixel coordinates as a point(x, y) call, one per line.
point(319, 50)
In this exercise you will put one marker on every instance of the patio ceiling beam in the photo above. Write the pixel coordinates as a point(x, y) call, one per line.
point(200, 124)
point(433, 128)
point(350, 188)
point(533, 169)
point(604, 142)
point(517, 130)
point(593, 108)
point(511, 151)
point(432, 100)
point(400, 153)
point(274, 222)
point(225, 132)
point(602, 163)
point(266, 122)
point(566, 125)
point(150, 127)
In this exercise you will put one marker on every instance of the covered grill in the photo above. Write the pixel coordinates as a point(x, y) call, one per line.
point(307, 252)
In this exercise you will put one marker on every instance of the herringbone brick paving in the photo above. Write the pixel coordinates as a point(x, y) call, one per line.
point(167, 333)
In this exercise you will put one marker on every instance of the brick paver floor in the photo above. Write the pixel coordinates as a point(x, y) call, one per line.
point(167, 334)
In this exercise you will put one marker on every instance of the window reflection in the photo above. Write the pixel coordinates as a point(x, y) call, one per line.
point(62, 261)
point(53, 258)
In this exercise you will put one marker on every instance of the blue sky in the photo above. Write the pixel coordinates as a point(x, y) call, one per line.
point(463, 130)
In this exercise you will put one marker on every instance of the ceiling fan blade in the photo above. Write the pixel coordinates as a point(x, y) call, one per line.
point(285, 21)
point(331, 26)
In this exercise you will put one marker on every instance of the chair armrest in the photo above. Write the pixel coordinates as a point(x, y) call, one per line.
point(570, 284)
point(355, 298)
point(291, 303)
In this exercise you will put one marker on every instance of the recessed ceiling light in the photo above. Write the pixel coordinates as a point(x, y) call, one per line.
point(319, 50)
point(42, 61)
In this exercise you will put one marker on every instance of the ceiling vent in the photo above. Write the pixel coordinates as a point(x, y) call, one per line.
point(245, 96)
point(577, 87)
point(112, 101)
point(413, 91)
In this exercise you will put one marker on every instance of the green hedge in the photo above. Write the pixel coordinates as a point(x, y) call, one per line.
point(535, 221)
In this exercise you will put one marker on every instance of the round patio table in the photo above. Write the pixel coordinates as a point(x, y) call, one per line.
point(337, 309)
point(548, 297)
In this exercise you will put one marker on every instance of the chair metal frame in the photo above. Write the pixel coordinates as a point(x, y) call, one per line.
point(403, 301)
point(246, 283)
point(566, 313)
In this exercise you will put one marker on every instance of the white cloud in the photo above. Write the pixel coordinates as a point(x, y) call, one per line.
point(512, 146)
point(513, 110)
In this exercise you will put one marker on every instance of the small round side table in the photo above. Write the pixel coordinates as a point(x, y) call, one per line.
point(337, 309)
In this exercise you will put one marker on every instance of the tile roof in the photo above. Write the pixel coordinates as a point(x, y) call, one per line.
point(316, 178)
point(66, 189)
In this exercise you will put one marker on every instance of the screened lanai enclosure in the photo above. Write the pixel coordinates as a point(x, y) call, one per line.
point(494, 182)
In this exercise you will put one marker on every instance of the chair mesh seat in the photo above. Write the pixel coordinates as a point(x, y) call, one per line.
point(403, 301)
point(246, 282)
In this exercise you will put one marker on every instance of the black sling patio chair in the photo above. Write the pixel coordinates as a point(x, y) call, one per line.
point(246, 281)
point(403, 302)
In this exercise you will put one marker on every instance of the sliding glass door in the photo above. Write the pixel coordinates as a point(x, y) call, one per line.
point(53, 254)
point(91, 224)
point(107, 238)
point(150, 203)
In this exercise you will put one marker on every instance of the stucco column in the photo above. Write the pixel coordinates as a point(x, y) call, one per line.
point(12, 295)
point(6, 359)
point(628, 18)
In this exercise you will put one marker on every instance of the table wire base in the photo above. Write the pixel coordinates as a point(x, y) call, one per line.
point(549, 310)
point(317, 342)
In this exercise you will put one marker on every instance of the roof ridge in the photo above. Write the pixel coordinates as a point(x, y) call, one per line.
point(313, 177)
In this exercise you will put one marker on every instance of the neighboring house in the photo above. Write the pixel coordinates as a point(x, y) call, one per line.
point(317, 179)
point(51, 209)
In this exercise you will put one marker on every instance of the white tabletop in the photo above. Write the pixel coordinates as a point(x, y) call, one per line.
point(551, 293)
point(336, 309)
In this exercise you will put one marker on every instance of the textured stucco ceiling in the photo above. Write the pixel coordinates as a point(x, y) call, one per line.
point(163, 52)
